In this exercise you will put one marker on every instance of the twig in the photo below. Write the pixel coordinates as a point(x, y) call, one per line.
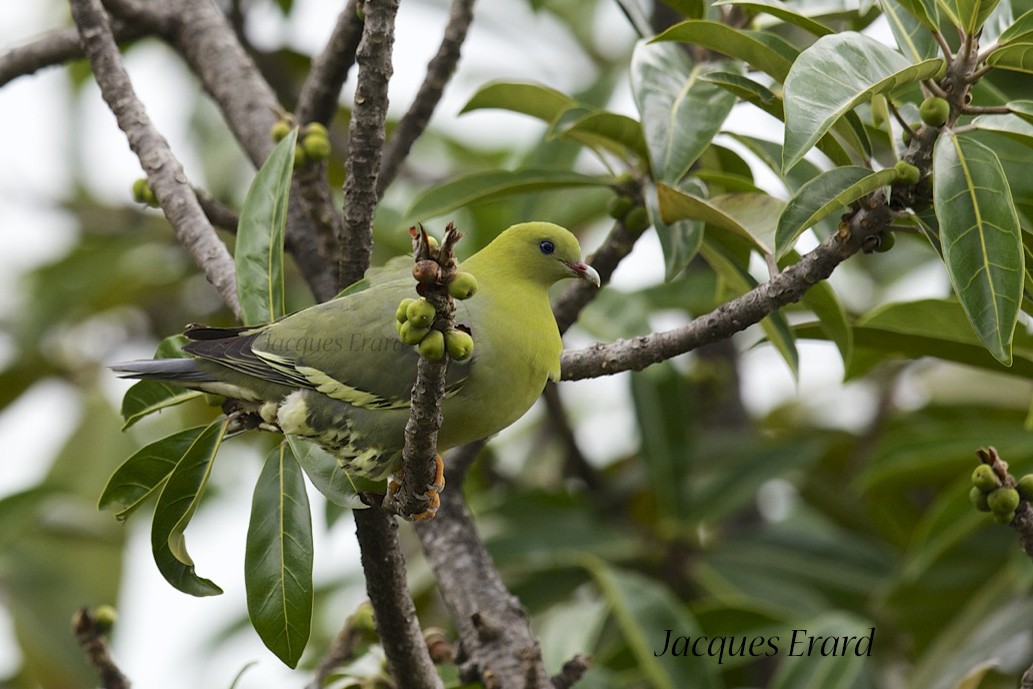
point(218, 214)
point(572, 671)
point(985, 110)
point(317, 101)
point(617, 245)
point(366, 138)
point(439, 72)
point(395, 613)
point(164, 173)
point(91, 636)
point(497, 646)
point(731, 317)
point(49, 50)
point(944, 48)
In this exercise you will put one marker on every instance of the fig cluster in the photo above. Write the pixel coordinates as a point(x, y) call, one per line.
point(414, 319)
point(313, 141)
point(633, 215)
point(989, 494)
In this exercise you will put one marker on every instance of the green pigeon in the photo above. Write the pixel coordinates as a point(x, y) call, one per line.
point(337, 373)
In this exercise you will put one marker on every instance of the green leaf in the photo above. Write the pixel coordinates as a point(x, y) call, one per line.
point(833, 76)
point(680, 112)
point(145, 471)
point(480, 187)
point(749, 215)
point(618, 133)
point(176, 504)
point(971, 13)
point(259, 250)
point(644, 611)
point(831, 192)
point(149, 396)
point(531, 99)
point(1022, 108)
point(735, 43)
point(812, 670)
point(1011, 126)
point(780, 10)
point(925, 11)
point(981, 238)
point(736, 277)
point(1019, 30)
point(278, 559)
point(326, 474)
point(1017, 56)
point(912, 34)
point(679, 239)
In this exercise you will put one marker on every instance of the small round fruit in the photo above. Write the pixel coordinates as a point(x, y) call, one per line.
point(411, 335)
point(317, 146)
point(316, 129)
point(1025, 487)
point(1003, 500)
point(459, 345)
point(300, 157)
point(1004, 517)
point(886, 241)
point(619, 206)
point(907, 173)
point(426, 272)
point(637, 219)
point(978, 499)
point(433, 345)
point(463, 285)
point(934, 111)
point(141, 191)
point(420, 313)
point(105, 617)
point(401, 312)
point(280, 130)
point(984, 478)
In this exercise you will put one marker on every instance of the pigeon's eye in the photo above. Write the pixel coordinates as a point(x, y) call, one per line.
point(546, 246)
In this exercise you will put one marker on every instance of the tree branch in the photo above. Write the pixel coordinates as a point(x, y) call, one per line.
point(318, 99)
point(395, 616)
point(497, 646)
point(366, 138)
point(729, 318)
point(164, 173)
point(49, 50)
point(91, 636)
point(439, 72)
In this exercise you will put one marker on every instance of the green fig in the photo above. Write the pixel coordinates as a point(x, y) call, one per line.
point(433, 345)
point(280, 130)
point(637, 219)
point(1025, 487)
point(459, 345)
point(410, 334)
point(1003, 501)
point(105, 617)
point(463, 285)
point(618, 207)
point(934, 111)
point(400, 313)
point(978, 499)
point(316, 129)
point(1004, 517)
point(907, 173)
point(420, 313)
point(984, 478)
point(317, 146)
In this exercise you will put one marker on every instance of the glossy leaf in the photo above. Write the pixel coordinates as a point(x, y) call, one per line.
point(970, 14)
point(176, 504)
point(1011, 126)
point(829, 193)
point(782, 11)
point(925, 11)
point(1022, 108)
point(619, 133)
point(145, 471)
point(680, 112)
point(833, 76)
point(1020, 29)
point(531, 99)
point(278, 558)
point(735, 43)
point(644, 611)
point(911, 34)
point(750, 216)
point(679, 239)
point(481, 187)
point(802, 670)
point(1017, 56)
point(259, 249)
point(148, 396)
point(981, 238)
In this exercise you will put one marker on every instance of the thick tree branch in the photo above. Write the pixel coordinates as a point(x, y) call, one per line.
point(91, 636)
point(733, 316)
point(497, 646)
point(395, 616)
point(318, 99)
point(366, 138)
point(439, 71)
point(164, 173)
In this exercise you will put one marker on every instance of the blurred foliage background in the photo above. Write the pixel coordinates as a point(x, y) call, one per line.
point(713, 494)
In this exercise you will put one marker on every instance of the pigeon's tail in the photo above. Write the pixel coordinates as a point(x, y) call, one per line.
point(183, 371)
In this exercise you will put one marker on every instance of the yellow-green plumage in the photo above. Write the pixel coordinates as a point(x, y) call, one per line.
point(338, 373)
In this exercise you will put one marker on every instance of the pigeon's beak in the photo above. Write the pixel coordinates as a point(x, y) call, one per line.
point(585, 272)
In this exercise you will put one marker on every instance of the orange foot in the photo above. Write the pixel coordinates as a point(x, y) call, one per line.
point(431, 494)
